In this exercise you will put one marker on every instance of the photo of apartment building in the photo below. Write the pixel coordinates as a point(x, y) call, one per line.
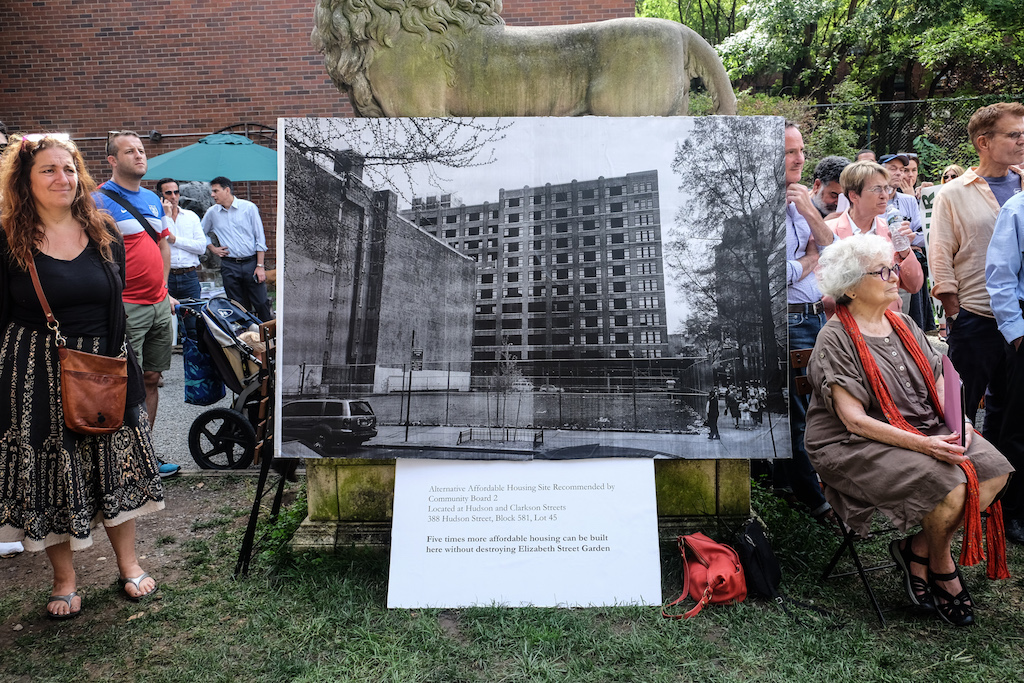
point(563, 272)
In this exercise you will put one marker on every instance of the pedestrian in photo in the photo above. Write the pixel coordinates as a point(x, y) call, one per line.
point(713, 415)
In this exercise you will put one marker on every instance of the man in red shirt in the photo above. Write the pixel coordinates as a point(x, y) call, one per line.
point(147, 263)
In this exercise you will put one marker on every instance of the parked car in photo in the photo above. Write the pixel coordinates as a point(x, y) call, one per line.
point(326, 423)
point(522, 384)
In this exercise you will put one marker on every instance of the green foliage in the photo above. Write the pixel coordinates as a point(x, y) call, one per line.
point(837, 131)
point(715, 20)
point(934, 158)
point(278, 533)
point(658, 9)
point(802, 47)
point(800, 112)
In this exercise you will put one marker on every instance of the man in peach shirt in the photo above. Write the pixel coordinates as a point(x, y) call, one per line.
point(962, 222)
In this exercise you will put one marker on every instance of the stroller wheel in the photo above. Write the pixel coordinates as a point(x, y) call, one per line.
point(222, 439)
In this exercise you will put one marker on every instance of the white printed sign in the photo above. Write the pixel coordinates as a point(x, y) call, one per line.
point(544, 533)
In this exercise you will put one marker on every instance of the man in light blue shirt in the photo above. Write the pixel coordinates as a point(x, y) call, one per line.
point(243, 246)
point(1004, 280)
point(806, 232)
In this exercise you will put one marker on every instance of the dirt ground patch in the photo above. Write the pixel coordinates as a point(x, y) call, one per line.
point(197, 507)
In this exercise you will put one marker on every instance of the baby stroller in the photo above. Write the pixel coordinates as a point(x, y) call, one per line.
point(224, 438)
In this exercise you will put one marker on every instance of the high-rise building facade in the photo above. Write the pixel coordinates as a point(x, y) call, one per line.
point(563, 272)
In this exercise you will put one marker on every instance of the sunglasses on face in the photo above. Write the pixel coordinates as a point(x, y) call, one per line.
point(170, 192)
point(949, 176)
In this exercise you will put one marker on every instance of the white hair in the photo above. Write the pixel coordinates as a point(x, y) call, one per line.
point(842, 264)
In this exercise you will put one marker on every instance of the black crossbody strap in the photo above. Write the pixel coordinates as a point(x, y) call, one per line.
point(133, 211)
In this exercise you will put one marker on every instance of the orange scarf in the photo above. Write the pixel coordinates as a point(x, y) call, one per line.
point(970, 553)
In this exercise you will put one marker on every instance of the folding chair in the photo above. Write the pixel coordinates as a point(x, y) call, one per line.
point(798, 359)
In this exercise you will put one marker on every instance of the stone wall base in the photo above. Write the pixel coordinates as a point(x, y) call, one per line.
point(351, 500)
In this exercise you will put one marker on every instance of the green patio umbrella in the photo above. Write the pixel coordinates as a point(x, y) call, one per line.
point(234, 156)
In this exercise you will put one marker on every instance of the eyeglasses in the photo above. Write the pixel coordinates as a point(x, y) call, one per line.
point(950, 176)
point(170, 192)
point(885, 273)
point(1013, 135)
point(879, 189)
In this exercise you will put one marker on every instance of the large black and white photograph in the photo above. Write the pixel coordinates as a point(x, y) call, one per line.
point(532, 288)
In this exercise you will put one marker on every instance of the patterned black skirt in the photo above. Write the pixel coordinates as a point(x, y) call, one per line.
point(56, 485)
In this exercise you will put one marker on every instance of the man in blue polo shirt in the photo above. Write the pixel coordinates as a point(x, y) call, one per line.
point(243, 246)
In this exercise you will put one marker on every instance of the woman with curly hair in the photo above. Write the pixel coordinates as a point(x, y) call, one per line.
point(57, 485)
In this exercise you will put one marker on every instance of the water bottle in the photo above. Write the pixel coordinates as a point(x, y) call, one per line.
point(894, 219)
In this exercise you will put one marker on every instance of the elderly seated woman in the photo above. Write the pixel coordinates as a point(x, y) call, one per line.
point(877, 438)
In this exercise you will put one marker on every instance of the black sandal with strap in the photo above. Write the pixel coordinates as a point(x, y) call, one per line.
point(917, 588)
point(958, 609)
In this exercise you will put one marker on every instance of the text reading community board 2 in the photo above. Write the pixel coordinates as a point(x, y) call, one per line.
point(545, 533)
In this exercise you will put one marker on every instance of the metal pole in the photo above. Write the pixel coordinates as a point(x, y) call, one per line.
point(867, 143)
point(448, 393)
point(633, 364)
point(408, 403)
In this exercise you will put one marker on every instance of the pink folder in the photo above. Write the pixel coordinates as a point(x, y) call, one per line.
point(953, 388)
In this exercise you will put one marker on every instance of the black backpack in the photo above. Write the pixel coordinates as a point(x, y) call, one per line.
point(760, 566)
point(762, 571)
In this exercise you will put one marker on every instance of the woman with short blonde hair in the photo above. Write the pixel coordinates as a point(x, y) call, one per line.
point(866, 185)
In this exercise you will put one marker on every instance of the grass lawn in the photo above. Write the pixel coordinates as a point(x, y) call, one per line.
point(322, 618)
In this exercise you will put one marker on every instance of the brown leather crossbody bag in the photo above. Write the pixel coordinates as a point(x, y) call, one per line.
point(93, 387)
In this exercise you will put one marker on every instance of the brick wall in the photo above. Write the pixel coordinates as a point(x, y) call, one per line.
point(184, 68)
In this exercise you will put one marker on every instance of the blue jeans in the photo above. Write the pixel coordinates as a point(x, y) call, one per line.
point(978, 352)
point(798, 472)
point(185, 286)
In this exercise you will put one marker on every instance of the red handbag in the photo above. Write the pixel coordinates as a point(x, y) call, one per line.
point(712, 573)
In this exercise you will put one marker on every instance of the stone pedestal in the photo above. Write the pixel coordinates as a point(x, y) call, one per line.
point(351, 500)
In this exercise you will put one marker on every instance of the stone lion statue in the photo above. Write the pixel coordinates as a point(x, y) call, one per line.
point(458, 58)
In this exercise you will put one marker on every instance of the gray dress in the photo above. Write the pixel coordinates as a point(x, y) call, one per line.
point(862, 475)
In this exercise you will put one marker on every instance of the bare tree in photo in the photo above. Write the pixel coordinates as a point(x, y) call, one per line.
point(725, 248)
point(508, 380)
point(389, 148)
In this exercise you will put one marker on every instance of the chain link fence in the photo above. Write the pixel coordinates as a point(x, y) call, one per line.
point(936, 129)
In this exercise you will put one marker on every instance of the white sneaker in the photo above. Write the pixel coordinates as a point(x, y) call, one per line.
point(11, 549)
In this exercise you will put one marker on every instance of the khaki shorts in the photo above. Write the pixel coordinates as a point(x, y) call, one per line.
point(149, 333)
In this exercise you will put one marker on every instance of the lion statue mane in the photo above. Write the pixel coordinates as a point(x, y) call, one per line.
point(458, 58)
